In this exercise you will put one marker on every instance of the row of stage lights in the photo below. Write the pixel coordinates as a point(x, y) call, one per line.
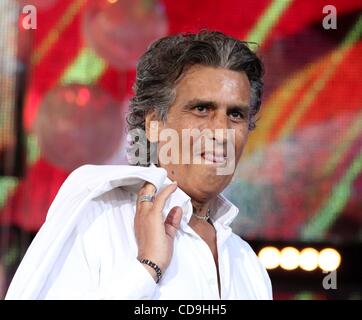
point(308, 259)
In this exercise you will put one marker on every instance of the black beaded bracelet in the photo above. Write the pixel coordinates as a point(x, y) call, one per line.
point(154, 266)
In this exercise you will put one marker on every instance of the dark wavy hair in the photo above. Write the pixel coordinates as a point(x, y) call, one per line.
point(165, 61)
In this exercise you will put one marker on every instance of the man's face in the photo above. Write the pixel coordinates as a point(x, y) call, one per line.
point(207, 98)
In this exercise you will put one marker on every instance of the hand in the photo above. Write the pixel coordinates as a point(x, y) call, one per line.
point(155, 237)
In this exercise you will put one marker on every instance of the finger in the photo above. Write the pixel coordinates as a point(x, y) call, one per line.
point(161, 198)
point(146, 189)
point(172, 222)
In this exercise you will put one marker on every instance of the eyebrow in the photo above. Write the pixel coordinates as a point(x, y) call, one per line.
point(209, 103)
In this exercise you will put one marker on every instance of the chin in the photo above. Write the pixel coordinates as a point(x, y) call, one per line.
point(205, 181)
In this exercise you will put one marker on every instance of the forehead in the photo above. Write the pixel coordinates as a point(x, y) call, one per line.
point(213, 84)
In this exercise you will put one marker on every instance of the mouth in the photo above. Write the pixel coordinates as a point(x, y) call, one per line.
point(213, 158)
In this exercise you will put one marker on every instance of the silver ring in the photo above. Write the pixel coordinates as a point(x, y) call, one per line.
point(146, 197)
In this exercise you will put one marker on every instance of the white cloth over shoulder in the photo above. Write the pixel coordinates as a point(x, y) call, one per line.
point(86, 249)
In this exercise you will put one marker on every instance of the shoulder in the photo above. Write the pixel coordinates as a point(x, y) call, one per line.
point(243, 247)
point(77, 185)
point(90, 181)
point(87, 198)
point(111, 176)
point(70, 194)
point(242, 244)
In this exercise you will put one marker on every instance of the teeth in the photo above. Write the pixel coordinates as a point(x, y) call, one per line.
point(211, 158)
point(219, 159)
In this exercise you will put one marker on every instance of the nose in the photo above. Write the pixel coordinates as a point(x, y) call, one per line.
point(219, 125)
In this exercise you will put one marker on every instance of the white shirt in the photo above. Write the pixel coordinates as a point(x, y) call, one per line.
point(87, 249)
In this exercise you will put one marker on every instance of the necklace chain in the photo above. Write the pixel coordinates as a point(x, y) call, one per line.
point(205, 217)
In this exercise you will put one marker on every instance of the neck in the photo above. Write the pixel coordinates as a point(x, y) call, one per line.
point(201, 210)
point(201, 207)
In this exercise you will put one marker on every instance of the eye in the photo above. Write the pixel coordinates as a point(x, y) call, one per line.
point(236, 115)
point(201, 109)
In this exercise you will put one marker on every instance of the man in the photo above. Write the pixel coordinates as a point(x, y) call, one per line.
point(160, 229)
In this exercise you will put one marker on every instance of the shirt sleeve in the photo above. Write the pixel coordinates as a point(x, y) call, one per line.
point(256, 271)
point(88, 268)
point(266, 279)
point(137, 283)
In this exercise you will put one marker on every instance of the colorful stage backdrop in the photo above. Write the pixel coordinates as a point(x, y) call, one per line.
point(300, 177)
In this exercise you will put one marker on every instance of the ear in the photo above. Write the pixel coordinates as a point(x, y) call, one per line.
point(152, 126)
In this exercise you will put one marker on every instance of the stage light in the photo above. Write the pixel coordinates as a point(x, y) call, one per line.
point(329, 259)
point(270, 257)
point(289, 258)
point(308, 259)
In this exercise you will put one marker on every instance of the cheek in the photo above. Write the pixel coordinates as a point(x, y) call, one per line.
point(182, 122)
point(241, 138)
